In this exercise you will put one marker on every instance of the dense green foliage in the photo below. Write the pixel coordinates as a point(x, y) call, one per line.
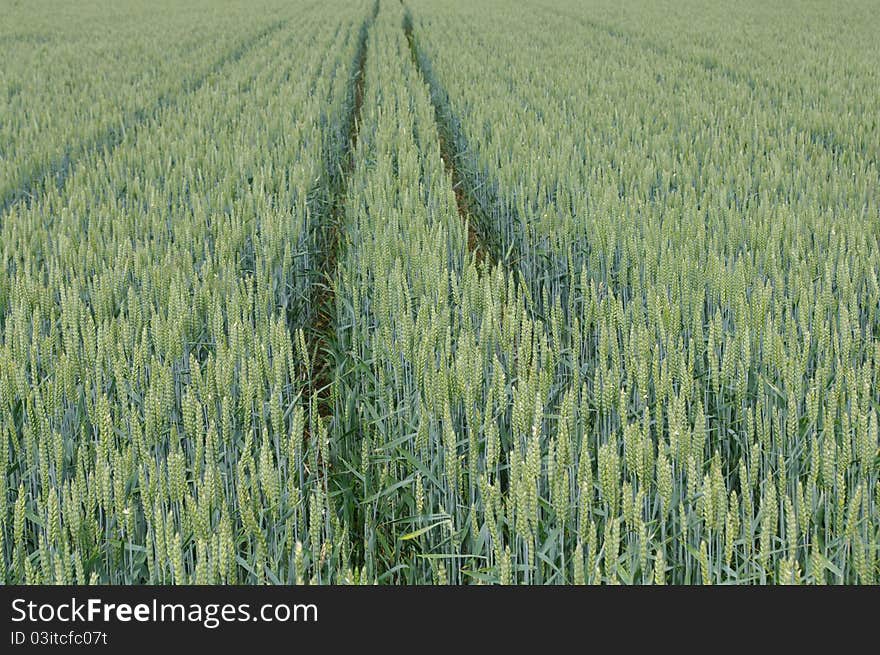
point(150, 310)
point(440, 292)
point(703, 250)
point(70, 88)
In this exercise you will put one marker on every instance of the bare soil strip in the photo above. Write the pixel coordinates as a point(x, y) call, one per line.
point(478, 245)
point(323, 296)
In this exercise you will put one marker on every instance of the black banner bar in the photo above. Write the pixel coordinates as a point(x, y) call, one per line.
point(125, 618)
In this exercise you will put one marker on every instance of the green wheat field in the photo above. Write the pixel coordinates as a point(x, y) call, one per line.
point(439, 292)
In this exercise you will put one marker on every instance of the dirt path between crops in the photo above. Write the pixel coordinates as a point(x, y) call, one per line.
point(477, 244)
point(323, 294)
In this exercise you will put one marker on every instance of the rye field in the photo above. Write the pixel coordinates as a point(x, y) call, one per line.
point(439, 292)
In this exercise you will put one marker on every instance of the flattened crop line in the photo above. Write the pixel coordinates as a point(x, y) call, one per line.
point(29, 190)
point(477, 211)
point(467, 206)
point(322, 299)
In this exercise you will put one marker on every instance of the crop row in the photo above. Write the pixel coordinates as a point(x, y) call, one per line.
point(708, 272)
point(66, 89)
point(150, 384)
point(254, 337)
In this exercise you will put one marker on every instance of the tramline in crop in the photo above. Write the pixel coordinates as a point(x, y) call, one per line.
point(256, 327)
